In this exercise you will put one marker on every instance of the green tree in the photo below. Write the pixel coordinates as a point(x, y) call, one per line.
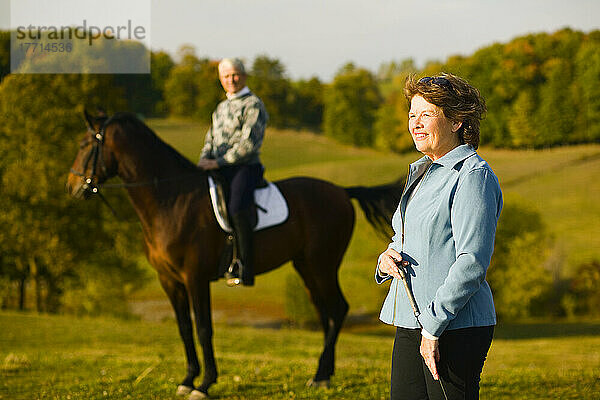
point(268, 80)
point(388, 71)
point(47, 241)
point(193, 88)
point(480, 70)
point(521, 124)
point(391, 123)
point(307, 104)
point(555, 114)
point(209, 90)
point(391, 120)
point(144, 93)
point(161, 65)
point(514, 94)
point(563, 44)
point(104, 57)
point(181, 89)
point(351, 103)
point(587, 87)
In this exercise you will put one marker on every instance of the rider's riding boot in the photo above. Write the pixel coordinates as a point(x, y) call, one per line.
point(243, 229)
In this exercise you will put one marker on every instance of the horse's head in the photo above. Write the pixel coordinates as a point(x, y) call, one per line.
point(95, 161)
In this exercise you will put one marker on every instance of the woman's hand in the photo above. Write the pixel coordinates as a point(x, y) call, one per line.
point(388, 263)
point(431, 354)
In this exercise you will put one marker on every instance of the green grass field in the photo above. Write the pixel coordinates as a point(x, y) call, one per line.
point(62, 357)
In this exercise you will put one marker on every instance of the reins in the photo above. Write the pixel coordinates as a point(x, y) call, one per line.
point(154, 182)
point(95, 156)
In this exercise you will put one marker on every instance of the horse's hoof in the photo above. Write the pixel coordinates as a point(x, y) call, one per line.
point(183, 390)
point(197, 395)
point(324, 384)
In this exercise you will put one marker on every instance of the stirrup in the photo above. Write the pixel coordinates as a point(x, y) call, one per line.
point(232, 276)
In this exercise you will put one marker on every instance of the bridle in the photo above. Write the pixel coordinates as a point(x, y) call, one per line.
point(90, 184)
point(95, 156)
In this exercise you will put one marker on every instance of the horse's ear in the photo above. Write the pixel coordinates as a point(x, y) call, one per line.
point(88, 119)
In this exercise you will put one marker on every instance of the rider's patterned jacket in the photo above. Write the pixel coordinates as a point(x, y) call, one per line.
point(237, 130)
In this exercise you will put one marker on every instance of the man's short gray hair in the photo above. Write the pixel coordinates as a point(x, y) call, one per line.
point(234, 63)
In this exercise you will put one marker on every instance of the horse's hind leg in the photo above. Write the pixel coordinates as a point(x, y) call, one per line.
point(332, 307)
point(179, 300)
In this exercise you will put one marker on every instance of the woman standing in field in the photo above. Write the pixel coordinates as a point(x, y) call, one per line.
point(444, 238)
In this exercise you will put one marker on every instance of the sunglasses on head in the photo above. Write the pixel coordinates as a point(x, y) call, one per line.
point(436, 80)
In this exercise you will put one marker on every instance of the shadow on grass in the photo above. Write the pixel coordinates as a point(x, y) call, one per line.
point(537, 330)
point(368, 325)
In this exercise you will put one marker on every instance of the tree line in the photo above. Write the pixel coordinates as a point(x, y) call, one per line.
point(541, 90)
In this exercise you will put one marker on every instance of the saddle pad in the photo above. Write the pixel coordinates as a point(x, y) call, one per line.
point(271, 206)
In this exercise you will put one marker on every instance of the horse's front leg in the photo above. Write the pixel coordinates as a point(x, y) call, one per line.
point(200, 295)
point(178, 296)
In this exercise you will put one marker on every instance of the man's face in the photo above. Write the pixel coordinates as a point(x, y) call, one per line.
point(231, 79)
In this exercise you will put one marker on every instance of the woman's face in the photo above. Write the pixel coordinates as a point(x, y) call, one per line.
point(434, 134)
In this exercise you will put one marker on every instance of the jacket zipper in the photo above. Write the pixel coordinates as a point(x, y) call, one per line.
point(402, 236)
point(402, 245)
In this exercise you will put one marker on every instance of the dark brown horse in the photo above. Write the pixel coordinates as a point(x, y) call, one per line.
point(184, 243)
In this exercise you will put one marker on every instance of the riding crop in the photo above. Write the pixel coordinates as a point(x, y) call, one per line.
point(411, 298)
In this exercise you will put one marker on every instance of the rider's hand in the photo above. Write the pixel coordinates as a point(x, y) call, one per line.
point(207, 164)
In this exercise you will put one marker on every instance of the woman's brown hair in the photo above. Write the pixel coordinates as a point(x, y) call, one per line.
point(460, 101)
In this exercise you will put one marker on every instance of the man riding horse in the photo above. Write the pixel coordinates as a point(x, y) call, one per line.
point(232, 146)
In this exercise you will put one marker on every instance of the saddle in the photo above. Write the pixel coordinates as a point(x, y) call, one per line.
point(270, 209)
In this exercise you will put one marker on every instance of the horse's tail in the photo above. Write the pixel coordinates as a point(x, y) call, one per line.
point(379, 203)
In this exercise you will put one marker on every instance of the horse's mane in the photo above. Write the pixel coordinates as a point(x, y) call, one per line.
point(134, 126)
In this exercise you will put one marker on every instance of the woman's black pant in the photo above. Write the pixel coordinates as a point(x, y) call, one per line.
point(462, 354)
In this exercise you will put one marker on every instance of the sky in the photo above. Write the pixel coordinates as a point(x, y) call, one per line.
point(317, 37)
